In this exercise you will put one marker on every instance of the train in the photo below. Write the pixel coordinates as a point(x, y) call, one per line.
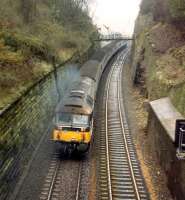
point(73, 124)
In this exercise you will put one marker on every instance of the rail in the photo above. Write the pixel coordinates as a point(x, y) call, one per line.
point(120, 175)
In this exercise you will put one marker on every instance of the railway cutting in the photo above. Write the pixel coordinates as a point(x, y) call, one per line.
point(119, 174)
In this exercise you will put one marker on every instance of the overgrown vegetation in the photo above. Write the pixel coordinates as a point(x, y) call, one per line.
point(177, 10)
point(164, 10)
point(159, 50)
point(33, 31)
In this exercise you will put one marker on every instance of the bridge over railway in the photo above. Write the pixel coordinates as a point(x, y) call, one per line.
point(112, 37)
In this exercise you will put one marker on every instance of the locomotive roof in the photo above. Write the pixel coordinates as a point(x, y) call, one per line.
point(90, 69)
point(98, 55)
point(80, 99)
point(82, 84)
point(74, 105)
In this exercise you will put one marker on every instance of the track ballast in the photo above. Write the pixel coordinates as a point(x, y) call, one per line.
point(54, 180)
point(120, 176)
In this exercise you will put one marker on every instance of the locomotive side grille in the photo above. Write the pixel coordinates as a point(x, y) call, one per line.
point(77, 96)
point(72, 105)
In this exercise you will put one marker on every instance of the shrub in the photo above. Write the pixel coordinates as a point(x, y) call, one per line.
point(9, 57)
point(177, 9)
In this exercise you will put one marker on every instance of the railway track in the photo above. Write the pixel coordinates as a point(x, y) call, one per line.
point(52, 181)
point(51, 189)
point(120, 174)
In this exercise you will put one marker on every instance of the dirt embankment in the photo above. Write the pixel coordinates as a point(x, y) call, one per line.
point(159, 51)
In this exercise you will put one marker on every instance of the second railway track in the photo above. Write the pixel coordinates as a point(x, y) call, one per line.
point(120, 174)
point(55, 182)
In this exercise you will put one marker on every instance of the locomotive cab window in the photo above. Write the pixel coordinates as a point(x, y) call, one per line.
point(72, 119)
point(63, 118)
point(81, 120)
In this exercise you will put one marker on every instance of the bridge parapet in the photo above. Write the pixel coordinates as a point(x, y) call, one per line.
point(113, 37)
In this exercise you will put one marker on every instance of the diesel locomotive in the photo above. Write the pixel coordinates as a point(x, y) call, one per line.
point(74, 114)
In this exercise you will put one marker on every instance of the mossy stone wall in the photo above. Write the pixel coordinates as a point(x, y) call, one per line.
point(22, 126)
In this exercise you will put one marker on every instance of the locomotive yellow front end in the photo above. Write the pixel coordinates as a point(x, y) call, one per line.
point(73, 119)
point(73, 131)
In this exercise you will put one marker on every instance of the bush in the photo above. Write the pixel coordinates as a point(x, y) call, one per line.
point(29, 45)
point(9, 57)
point(177, 9)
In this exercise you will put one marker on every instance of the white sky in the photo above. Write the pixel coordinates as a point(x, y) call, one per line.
point(119, 15)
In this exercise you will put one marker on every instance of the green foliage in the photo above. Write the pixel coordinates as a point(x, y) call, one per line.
point(164, 49)
point(37, 31)
point(46, 26)
point(177, 9)
point(146, 6)
point(9, 57)
point(9, 11)
point(178, 97)
point(164, 10)
point(28, 43)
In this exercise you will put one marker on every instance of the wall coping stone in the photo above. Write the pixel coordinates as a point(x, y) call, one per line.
point(167, 114)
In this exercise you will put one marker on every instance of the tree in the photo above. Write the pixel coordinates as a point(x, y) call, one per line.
point(28, 10)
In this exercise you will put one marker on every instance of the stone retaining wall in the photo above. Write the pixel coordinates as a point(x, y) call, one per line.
point(161, 133)
point(21, 127)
